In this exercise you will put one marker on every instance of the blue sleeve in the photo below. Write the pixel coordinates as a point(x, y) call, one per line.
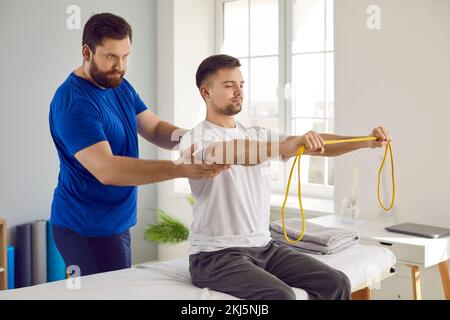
point(78, 126)
point(139, 105)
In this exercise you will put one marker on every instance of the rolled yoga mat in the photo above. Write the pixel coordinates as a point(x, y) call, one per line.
point(56, 268)
point(10, 258)
point(39, 251)
point(23, 266)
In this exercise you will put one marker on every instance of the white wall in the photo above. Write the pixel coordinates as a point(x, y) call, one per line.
point(37, 54)
point(186, 35)
point(397, 77)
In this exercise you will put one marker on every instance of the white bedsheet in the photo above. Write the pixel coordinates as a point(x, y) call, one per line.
point(170, 280)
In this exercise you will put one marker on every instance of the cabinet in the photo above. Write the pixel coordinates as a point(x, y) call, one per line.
point(3, 256)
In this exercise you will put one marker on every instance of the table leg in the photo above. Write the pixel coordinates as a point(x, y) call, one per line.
point(415, 276)
point(443, 269)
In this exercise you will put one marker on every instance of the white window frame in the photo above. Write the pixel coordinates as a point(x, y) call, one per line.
point(284, 89)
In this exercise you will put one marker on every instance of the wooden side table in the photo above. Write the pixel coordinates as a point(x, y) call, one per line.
point(411, 251)
point(3, 256)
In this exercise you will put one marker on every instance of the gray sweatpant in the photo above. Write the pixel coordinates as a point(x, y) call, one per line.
point(267, 273)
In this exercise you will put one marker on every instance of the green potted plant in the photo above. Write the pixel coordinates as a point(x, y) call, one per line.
point(168, 229)
point(168, 232)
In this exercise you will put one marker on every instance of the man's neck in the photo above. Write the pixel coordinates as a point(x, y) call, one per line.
point(221, 120)
point(81, 72)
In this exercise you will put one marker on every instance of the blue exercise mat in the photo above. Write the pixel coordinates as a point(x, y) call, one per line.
point(56, 268)
point(10, 257)
point(23, 271)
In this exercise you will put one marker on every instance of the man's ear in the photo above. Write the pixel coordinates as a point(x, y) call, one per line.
point(205, 92)
point(86, 52)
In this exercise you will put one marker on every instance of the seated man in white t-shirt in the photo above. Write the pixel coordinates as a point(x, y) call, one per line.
point(231, 249)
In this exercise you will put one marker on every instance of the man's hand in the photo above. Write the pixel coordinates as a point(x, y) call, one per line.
point(313, 142)
point(201, 171)
point(383, 137)
point(192, 168)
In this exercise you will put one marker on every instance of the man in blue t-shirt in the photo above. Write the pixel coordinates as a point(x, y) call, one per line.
point(95, 116)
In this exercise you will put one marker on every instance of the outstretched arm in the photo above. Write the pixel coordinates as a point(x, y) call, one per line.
point(315, 143)
point(248, 152)
point(382, 135)
point(120, 171)
point(245, 152)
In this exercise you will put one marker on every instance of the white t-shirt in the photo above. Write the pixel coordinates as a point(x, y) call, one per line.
point(233, 208)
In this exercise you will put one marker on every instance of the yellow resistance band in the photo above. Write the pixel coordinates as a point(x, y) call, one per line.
point(297, 158)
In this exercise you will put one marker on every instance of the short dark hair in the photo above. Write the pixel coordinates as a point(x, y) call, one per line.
point(213, 63)
point(105, 25)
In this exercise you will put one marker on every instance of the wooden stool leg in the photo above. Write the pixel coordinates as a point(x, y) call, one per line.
point(415, 275)
point(363, 294)
point(443, 269)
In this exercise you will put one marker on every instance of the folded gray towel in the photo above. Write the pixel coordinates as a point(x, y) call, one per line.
point(316, 239)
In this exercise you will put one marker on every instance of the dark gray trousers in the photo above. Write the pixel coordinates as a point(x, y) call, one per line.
point(267, 273)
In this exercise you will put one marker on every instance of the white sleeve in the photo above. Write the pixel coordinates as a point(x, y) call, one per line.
point(201, 141)
point(276, 135)
point(265, 134)
point(271, 135)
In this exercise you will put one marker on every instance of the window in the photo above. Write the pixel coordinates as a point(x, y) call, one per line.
point(286, 49)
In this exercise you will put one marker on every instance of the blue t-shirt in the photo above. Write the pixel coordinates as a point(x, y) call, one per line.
point(81, 115)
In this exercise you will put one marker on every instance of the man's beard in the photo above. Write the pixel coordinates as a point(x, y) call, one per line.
point(230, 109)
point(105, 79)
